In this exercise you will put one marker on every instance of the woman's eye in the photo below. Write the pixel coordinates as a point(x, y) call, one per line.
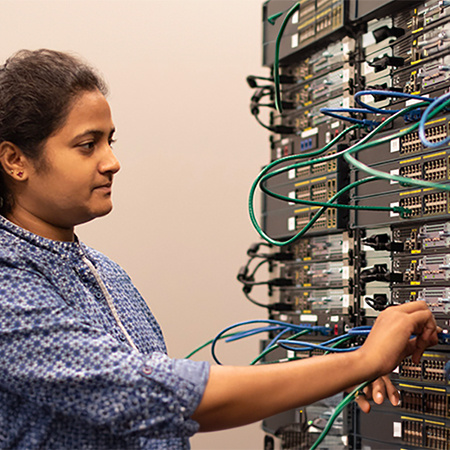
point(88, 145)
point(111, 142)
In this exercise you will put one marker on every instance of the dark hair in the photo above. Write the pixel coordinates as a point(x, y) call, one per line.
point(37, 90)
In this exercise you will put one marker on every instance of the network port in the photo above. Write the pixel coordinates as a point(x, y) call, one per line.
point(302, 172)
point(319, 192)
point(435, 170)
point(435, 203)
point(437, 437)
point(411, 171)
point(331, 218)
point(413, 204)
point(408, 369)
point(319, 168)
point(302, 193)
point(433, 370)
point(410, 143)
point(412, 432)
point(436, 404)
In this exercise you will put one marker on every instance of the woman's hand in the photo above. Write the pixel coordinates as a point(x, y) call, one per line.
point(378, 391)
point(399, 331)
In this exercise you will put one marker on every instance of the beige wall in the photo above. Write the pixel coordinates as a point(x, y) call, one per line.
point(189, 151)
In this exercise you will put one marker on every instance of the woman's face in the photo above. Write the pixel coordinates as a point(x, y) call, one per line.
point(74, 184)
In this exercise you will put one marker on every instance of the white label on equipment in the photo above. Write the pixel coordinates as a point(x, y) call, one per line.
point(392, 205)
point(345, 247)
point(345, 75)
point(310, 132)
point(283, 317)
point(345, 272)
point(394, 172)
point(295, 17)
point(395, 145)
point(285, 141)
point(334, 319)
point(291, 224)
point(397, 431)
point(308, 318)
point(291, 174)
point(413, 101)
point(294, 40)
point(346, 102)
point(345, 300)
point(345, 48)
point(292, 195)
point(335, 124)
point(290, 354)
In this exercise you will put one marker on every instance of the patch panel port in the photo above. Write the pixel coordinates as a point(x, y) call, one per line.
point(331, 218)
point(437, 437)
point(412, 432)
point(433, 370)
point(411, 401)
point(302, 193)
point(408, 369)
point(435, 404)
point(302, 172)
point(413, 171)
point(319, 192)
point(413, 204)
point(435, 170)
point(435, 203)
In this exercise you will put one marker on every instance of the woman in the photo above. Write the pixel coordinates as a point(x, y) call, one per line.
point(84, 363)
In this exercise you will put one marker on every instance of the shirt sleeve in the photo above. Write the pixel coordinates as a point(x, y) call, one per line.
point(55, 357)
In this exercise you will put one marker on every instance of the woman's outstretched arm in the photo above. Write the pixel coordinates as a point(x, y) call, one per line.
point(236, 396)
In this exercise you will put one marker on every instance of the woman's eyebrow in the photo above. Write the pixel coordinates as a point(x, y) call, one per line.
point(93, 132)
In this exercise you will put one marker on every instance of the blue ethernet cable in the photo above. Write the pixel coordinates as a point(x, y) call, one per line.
point(422, 135)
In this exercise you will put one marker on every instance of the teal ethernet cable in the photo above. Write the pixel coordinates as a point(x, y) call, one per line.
point(276, 64)
point(263, 176)
point(346, 401)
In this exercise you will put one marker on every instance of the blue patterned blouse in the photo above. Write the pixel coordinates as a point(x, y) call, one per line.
point(83, 360)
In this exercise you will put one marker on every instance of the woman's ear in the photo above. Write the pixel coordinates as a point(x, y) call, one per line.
point(13, 161)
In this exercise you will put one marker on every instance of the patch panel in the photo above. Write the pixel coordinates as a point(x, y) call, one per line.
point(424, 400)
point(411, 143)
point(430, 370)
point(435, 203)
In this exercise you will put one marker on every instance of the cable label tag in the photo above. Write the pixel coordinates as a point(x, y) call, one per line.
point(395, 145)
